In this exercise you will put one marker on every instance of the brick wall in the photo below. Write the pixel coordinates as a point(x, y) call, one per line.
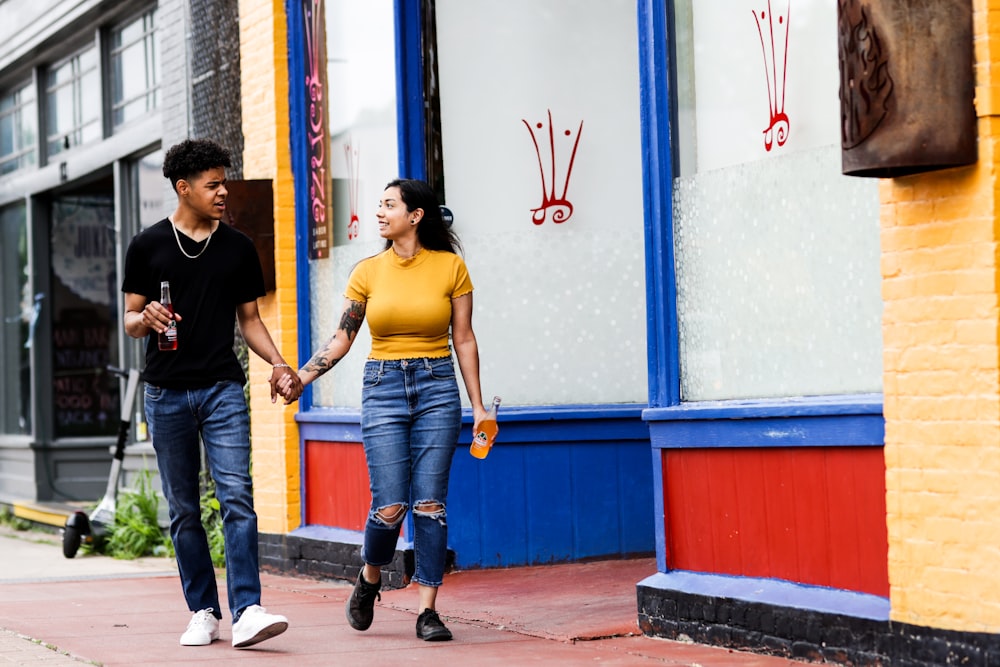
point(942, 377)
point(263, 54)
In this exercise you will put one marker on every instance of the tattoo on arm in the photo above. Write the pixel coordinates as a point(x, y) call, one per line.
point(350, 323)
point(352, 318)
point(320, 363)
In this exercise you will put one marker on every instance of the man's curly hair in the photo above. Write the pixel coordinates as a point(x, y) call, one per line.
point(191, 157)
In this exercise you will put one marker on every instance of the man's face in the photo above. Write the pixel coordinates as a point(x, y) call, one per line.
point(206, 193)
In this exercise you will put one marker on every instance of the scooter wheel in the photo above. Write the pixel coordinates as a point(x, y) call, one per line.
point(71, 540)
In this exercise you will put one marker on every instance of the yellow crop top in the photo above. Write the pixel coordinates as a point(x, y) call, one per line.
point(408, 301)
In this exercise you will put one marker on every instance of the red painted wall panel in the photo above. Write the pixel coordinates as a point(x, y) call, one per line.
point(811, 515)
point(337, 492)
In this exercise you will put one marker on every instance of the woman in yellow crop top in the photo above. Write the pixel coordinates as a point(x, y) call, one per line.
point(412, 293)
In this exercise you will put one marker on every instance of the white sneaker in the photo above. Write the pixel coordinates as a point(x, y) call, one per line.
point(202, 629)
point(256, 625)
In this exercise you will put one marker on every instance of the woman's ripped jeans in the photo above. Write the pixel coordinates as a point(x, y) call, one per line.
point(411, 414)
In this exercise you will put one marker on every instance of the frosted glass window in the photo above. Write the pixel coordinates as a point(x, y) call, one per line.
point(777, 253)
point(361, 94)
point(540, 111)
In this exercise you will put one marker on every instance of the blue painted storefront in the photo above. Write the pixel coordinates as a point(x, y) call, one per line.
point(570, 482)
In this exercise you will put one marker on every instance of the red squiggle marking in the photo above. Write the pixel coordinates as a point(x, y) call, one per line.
point(560, 206)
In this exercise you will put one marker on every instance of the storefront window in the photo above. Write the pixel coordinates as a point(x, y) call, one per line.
point(541, 154)
point(363, 157)
point(135, 69)
point(152, 205)
point(18, 307)
point(85, 322)
point(777, 253)
point(541, 144)
point(18, 128)
point(73, 105)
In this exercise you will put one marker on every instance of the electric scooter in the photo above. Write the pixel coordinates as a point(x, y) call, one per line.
point(79, 527)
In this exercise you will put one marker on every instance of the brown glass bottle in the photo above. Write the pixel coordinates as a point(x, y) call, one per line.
point(167, 339)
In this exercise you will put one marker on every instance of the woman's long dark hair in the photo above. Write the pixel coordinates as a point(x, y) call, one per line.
point(431, 231)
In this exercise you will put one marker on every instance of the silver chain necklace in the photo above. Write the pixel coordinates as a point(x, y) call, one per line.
point(184, 252)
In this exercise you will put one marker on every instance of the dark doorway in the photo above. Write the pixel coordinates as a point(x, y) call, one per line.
point(84, 311)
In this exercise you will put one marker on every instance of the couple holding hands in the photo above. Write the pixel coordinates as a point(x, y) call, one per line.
point(417, 297)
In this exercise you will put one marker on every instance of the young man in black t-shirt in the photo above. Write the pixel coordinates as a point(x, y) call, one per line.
point(196, 390)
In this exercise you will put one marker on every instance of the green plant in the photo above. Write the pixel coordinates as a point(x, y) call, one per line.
point(136, 531)
point(11, 520)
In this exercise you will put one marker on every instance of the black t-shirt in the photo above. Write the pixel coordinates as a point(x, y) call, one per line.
point(205, 292)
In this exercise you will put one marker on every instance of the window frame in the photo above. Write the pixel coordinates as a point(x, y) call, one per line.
point(22, 149)
point(9, 392)
point(149, 37)
point(78, 96)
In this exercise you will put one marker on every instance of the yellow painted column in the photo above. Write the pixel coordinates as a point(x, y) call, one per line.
point(266, 155)
point(939, 237)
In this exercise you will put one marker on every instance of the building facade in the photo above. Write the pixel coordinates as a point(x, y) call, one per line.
point(557, 264)
point(81, 127)
point(772, 352)
point(772, 532)
point(711, 344)
point(92, 92)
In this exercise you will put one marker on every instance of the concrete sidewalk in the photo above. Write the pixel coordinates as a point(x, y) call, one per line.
point(95, 610)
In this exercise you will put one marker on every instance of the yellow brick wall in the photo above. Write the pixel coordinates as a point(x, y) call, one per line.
point(942, 375)
point(275, 437)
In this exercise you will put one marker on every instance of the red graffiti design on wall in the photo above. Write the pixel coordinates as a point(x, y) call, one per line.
point(353, 157)
point(560, 206)
point(777, 130)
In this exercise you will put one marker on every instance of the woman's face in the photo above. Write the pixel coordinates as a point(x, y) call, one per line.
point(394, 221)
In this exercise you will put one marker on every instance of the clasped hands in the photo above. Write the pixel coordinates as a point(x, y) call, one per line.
point(285, 381)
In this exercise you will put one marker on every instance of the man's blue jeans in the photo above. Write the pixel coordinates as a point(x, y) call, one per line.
point(411, 414)
point(219, 415)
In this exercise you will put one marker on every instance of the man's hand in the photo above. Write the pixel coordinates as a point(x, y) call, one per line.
point(155, 316)
point(286, 382)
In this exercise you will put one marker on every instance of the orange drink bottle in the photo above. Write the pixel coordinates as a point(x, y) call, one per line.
point(488, 429)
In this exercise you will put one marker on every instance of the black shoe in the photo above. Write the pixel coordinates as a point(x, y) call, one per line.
point(430, 628)
point(361, 604)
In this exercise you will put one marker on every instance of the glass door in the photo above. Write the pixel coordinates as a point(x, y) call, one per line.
point(85, 319)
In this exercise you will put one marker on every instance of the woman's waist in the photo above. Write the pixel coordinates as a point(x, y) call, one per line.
point(409, 346)
point(407, 362)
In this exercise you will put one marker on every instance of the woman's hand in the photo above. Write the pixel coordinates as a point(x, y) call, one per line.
point(286, 382)
point(478, 414)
